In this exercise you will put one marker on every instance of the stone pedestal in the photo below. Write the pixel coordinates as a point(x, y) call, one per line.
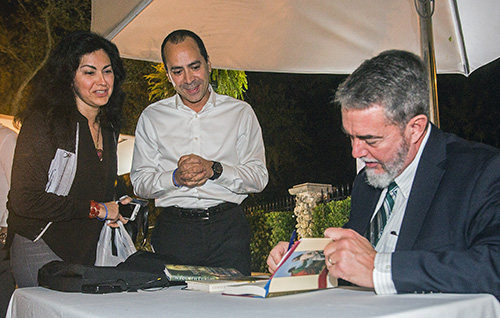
point(307, 196)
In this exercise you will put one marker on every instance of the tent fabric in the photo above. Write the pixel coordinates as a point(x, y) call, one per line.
point(303, 36)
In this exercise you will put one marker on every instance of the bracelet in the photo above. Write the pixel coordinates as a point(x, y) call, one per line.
point(94, 209)
point(106, 213)
point(173, 179)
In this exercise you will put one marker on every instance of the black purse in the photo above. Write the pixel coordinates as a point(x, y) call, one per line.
point(142, 270)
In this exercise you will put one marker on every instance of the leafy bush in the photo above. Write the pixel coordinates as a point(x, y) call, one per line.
point(331, 214)
point(227, 82)
point(282, 225)
point(259, 243)
point(270, 228)
point(267, 230)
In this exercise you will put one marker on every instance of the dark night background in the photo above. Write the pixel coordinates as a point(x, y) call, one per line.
point(300, 121)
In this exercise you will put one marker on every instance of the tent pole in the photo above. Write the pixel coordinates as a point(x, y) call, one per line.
point(425, 10)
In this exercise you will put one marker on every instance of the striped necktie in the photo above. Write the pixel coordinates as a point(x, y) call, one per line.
point(380, 220)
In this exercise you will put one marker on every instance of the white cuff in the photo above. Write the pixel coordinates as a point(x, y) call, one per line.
point(382, 274)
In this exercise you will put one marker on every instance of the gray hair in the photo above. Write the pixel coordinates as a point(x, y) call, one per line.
point(396, 80)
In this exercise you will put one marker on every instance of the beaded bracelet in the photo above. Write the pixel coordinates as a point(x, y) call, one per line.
point(94, 209)
point(173, 179)
point(106, 213)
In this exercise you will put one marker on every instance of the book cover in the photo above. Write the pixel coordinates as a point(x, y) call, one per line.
point(302, 269)
point(192, 272)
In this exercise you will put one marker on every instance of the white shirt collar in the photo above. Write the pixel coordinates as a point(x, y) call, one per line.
point(179, 104)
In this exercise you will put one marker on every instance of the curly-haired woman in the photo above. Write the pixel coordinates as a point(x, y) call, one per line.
point(65, 164)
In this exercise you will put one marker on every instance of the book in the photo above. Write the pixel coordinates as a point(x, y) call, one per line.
point(192, 272)
point(301, 269)
point(218, 285)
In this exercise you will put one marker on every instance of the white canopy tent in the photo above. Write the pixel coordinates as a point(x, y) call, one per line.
point(303, 36)
point(310, 36)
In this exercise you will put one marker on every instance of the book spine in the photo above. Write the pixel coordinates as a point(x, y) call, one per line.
point(187, 277)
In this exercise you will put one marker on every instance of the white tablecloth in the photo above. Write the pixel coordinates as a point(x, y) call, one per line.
point(175, 302)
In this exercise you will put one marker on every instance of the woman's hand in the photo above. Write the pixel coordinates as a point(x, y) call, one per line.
point(109, 211)
point(114, 211)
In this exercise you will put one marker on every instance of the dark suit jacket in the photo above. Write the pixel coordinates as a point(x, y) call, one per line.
point(450, 236)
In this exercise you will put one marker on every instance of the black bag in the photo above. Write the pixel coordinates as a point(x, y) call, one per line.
point(142, 270)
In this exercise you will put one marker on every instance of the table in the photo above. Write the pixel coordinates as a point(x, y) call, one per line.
point(175, 302)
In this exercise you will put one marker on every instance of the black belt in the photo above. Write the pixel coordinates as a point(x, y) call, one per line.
point(199, 213)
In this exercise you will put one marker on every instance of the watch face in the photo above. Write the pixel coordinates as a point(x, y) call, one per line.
point(217, 167)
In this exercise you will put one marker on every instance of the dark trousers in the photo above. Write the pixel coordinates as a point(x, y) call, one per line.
point(7, 285)
point(222, 239)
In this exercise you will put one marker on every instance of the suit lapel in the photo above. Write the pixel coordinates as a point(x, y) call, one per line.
point(425, 185)
point(365, 198)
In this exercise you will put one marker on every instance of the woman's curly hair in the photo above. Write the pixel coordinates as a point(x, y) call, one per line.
point(52, 92)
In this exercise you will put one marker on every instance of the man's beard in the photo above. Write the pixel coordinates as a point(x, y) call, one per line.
point(391, 169)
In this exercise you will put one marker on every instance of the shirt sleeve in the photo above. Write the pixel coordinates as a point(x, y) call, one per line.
point(251, 174)
point(382, 274)
point(150, 181)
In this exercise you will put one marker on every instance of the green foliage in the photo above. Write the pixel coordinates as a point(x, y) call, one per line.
point(259, 243)
point(227, 82)
point(136, 89)
point(331, 214)
point(267, 230)
point(159, 86)
point(270, 228)
point(282, 225)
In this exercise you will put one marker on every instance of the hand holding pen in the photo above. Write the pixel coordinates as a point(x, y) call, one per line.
point(278, 252)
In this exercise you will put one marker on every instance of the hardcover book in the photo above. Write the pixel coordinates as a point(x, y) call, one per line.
point(302, 269)
point(218, 285)
point(191, 272)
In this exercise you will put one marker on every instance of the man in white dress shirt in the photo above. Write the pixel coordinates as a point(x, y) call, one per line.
point(198, 154)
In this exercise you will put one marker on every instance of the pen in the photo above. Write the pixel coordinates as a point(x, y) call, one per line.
point(292, 239)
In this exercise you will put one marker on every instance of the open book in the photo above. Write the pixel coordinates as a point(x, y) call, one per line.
point(302, 268)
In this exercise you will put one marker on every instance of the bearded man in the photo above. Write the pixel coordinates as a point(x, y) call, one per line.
point(425, 209)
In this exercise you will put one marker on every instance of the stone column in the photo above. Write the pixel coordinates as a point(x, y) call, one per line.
point(307, 196)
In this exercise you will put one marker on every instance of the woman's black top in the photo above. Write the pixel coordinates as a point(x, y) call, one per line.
point(72, 235)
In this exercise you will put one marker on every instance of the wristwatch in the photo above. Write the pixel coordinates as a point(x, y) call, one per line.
point(3, 237)
point(217, 169)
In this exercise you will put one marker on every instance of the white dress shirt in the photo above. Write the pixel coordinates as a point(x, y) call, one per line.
point(382, 273)
point(225, 130)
